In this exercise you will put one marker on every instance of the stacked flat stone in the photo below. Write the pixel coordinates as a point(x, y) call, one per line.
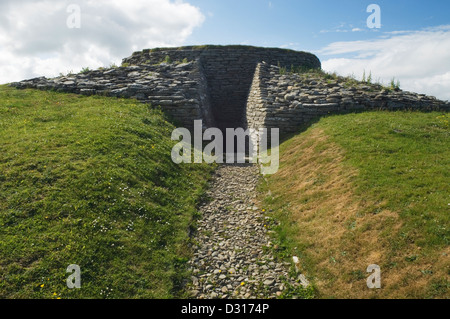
point(229, 72)
point(288, 101)
point(180, 89)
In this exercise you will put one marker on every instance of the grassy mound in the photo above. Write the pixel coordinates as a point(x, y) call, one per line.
point(361, 189)
point(90, 181)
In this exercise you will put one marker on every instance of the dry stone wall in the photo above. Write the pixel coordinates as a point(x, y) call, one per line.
point(288, 101)
point(180, 89)
point(228, 71)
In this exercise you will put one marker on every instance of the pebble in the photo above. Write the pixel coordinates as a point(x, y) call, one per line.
point(230, 241)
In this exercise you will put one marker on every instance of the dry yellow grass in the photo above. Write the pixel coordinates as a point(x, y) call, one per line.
point(339, 239)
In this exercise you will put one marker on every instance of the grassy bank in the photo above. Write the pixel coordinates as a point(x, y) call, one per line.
point(90, 181)
point(361, 189)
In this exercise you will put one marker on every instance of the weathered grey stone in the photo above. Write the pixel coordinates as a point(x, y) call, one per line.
point(318, 98)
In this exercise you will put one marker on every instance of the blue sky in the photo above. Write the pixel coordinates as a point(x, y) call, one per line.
point(308, 24)
point(318, 26)
point(412, 45)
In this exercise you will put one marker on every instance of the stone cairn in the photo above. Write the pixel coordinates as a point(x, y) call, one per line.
point(235, 86)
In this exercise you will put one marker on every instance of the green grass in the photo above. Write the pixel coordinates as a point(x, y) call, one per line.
point(367, 188)
point(90, 181)
point(403, 161)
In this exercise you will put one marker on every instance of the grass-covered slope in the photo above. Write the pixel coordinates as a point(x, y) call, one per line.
point(361, 189)
point(90, 181)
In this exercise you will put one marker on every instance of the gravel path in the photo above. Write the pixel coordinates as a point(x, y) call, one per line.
point(232, 259)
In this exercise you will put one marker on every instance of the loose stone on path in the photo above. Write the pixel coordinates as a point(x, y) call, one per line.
point(230, 260)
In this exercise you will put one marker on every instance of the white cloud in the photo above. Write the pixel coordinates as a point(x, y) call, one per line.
point(419, 59)
point(35, 39)
point(344, 28)
point(290, 45)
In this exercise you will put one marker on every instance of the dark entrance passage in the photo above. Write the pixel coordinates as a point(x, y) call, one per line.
point(229, 87)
